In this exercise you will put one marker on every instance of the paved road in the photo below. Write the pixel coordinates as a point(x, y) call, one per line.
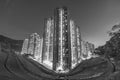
point(17, 67)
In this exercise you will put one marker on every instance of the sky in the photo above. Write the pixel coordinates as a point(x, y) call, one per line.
point(20, 18)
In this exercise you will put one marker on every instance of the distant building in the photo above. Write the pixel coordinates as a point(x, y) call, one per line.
point(87, 50)
point(40, 50)
point(33, 46)
point(25, 47)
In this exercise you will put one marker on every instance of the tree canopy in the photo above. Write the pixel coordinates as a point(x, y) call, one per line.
point(112, 47)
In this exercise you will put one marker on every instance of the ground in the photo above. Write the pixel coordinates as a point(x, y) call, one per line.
point(17, 67)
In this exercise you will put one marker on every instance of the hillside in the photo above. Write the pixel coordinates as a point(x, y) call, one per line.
point(8, 43)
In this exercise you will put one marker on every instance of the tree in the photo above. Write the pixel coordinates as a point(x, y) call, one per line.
point(112, 47)
point(100, 50)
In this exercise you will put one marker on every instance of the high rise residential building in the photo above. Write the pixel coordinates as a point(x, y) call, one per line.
point(79, 50)
point(90, 50)
point(47, 54)
point(25, 46)
point(74, 43)
point(87, 50)
point(61, 40)
point(33, 46)
point(61, 48)
point(84, 50)
point(37, 46)
point(40, 50)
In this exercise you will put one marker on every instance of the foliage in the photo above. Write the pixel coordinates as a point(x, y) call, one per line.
point(112, 47)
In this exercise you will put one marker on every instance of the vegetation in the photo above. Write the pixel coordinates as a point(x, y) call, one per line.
point(112, 47)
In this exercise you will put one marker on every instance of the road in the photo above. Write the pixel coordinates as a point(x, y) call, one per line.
point(17, 67)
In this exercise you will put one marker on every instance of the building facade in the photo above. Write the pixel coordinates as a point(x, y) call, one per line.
point(47, 54)
point(61, 48)
point(73, 39)
point(61, 42)
point(25, 46)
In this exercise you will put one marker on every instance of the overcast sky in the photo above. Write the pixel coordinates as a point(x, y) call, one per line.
point(19, 18)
